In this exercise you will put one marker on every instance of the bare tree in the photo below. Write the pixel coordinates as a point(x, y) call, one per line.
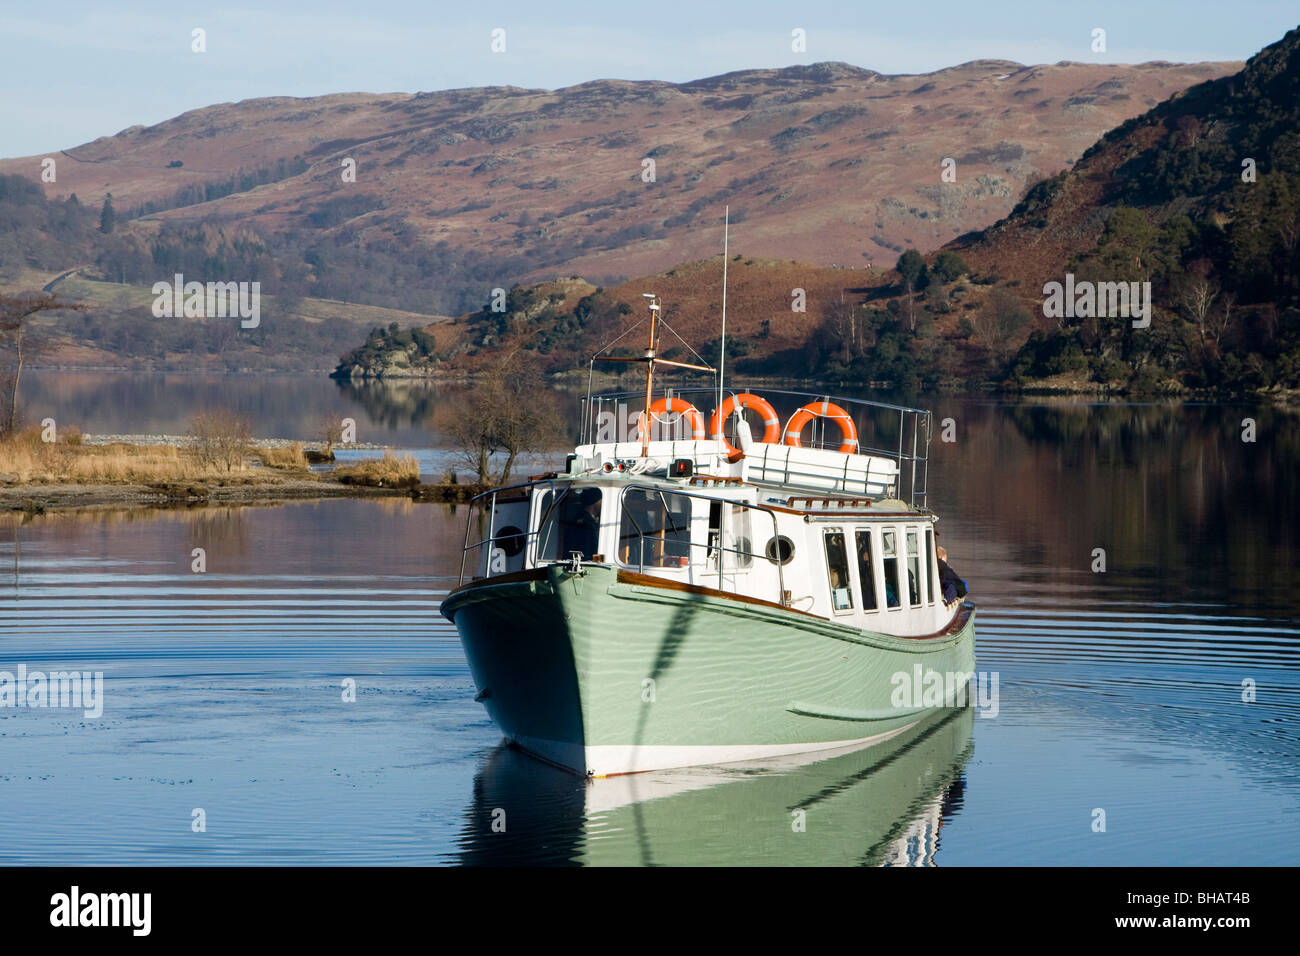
point(1288, 229)
point(329, 428)
point(1196, 295)
point(1190, 128)
point(1219, 320)
point(509, 412)
point(998, 322)
point(221, 437)
point(471, 432)
point(910, 311)
point(843, 326)
point(20, 342)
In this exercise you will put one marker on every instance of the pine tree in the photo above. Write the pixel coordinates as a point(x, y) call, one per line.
point(107, 218)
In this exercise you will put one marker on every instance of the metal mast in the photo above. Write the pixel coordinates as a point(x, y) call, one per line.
point(722, 349)
point(651, 358)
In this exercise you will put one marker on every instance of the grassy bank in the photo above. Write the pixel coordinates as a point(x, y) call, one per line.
point(36, 475)
point(27, 458)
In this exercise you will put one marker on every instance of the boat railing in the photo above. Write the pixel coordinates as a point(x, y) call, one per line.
point(909, 452)
point(491, 510)
point(723, 571)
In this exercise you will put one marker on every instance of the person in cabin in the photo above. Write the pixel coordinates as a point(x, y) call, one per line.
point(866, 573)
point(583, 534)
point(950, 584)
point(891, 584)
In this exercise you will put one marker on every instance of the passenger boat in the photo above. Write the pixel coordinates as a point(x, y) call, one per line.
point(684, 594)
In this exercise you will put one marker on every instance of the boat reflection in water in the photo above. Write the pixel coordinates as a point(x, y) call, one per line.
point(881, 805)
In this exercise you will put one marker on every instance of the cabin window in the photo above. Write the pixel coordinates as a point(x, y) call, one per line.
point(889, 552)
point(510, 540)
point(548, 527)
point(837, 567)
point(569, 521)
point(655, 531)
point(866, 571)
point(734, 541)
point(738, 536)
point(930, 566)
point(780, 550)
point(913, 569)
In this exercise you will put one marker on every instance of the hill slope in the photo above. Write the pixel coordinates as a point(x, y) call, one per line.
point(1199, 197)
point(826, 163)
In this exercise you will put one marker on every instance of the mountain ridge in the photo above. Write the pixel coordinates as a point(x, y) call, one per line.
point(1195, 201)
point(829, 163)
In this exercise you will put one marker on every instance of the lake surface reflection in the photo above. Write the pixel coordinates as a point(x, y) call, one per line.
point(1119, 690)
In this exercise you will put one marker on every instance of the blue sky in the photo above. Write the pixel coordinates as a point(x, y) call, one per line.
point(78, 70)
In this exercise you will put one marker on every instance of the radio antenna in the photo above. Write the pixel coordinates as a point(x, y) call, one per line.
point(722, 349)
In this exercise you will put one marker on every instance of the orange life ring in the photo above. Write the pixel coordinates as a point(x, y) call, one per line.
point(683, 407)
point(771, 424)
point(848, 431)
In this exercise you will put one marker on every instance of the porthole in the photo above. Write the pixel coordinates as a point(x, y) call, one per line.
point(510, 540)
point(780, 550)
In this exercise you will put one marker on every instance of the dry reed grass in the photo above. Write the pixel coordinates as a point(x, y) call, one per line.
point(286, 459)
point(391, 471)
point(24, 457)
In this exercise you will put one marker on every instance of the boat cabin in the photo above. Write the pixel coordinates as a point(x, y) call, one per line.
point(820, 530)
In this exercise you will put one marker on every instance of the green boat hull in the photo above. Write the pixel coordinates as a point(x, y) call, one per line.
point(606, 672)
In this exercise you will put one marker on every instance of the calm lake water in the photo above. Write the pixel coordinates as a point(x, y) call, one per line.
point(1119, 690)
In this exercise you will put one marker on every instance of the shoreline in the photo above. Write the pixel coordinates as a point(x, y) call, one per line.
point(39, 497)
point(1064, 386)
point(35, 498)
point(189, 441)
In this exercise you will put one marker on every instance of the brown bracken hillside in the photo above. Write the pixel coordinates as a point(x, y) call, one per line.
point(829, 163)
